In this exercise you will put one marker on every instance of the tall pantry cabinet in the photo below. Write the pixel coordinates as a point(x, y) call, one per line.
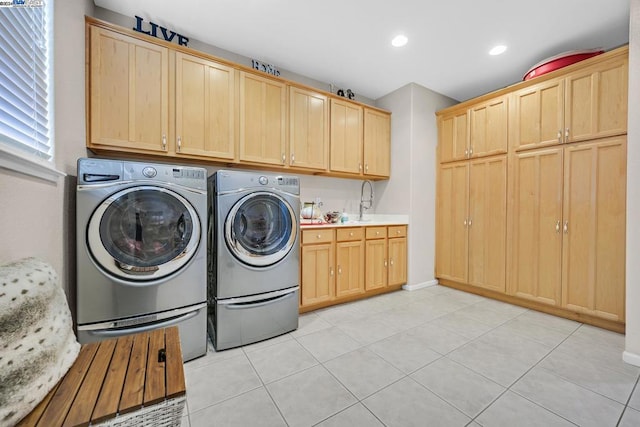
point(564, 205)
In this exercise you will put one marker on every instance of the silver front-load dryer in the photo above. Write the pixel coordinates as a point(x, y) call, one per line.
point(141, 250)
point(254, 256)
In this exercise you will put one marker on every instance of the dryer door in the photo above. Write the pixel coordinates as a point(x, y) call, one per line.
point(261, 229)
point(143, 233)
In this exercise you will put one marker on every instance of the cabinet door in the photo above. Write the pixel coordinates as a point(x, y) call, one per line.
point(308, 129)
point(538, 115)
point(346, 137)
point(349, 268)
point(487, 223)
point(451, 232)
point(397, 261)
point(129, 92)
point(596, 101)
point(377, 143)
point(263, 107)
point(594, 228)
point(488, 133)
point(535, 253)
point(376, 264)
point(205, 108)
point(318, 274)
point(454, 137)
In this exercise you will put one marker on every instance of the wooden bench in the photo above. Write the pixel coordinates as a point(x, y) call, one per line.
point(130, 381)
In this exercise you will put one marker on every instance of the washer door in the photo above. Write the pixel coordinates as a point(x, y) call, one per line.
point(143, 233)
point(261, 229)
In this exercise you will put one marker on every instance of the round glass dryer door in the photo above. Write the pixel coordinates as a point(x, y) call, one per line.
point(143, 233)
point(261, 229)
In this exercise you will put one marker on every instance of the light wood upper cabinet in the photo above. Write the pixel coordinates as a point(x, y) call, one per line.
point(594, 228)
point(129, 93)
point(535, 246)
point(308, 129)
point(346, 137)
point(487, 222)
point(596, 101)
point(451, 232)
point(488, 133)
point(377, 143)
point(538, 115)
point(206, 115)
point(453, 133)
point(263, 109)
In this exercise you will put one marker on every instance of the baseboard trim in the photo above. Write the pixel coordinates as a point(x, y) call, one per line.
point(631, 358)
point(420, 285)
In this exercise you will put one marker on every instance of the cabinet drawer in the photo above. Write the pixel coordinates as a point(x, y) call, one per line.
point(317, 236)
point(376, 232)
point(397, 231)
point(347, 234)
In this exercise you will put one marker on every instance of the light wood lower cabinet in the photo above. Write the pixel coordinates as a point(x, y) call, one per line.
point(568, 227)
point(347, 263)
point(471, 230)
point(317, 266)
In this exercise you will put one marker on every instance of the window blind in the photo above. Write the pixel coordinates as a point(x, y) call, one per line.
point(24, 81)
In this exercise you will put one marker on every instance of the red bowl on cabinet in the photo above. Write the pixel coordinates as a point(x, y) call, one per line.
point(559, 61)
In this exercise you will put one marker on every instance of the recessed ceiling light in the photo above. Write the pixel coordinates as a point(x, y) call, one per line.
point(497, 50)
point(399, 40)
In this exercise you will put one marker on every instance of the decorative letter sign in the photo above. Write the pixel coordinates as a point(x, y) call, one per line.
point(166, 34)
point(269, 69)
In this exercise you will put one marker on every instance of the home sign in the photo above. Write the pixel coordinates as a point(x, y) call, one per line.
point(163, 33)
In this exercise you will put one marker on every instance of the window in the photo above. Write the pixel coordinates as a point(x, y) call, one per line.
point(26, 143)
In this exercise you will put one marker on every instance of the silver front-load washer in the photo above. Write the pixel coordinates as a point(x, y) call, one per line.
point(254, 256)
point(141, 250)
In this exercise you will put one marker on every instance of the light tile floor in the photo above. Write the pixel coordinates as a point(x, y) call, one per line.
point(431, 357)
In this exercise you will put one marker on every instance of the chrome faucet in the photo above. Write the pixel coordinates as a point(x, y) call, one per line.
point(365, 204)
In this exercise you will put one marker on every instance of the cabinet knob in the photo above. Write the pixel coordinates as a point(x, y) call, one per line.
point(293, 158)
point(377, 233)
point(566, 227)
point(359, 166)
point(385, 263)
point(179, 143)
point(397, 231)
point(366, 167)
point(558, 226)
point(466, 153)
point(559, 135)
point(470, 151)
point(284, 158)
point(164, 141)
point(351, 234)
point(319, 236)
point(566, 135)
point(464, 222)
point(331, 271)
point(391, 262)
point(339, 270)
point(469, 222)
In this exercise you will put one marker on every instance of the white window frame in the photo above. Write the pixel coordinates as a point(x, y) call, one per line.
point(23, 161)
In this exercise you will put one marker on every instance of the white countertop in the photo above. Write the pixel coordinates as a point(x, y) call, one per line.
point(368, 221)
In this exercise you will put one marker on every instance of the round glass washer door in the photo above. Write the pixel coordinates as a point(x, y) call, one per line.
point(143, 233)
point(261, 229)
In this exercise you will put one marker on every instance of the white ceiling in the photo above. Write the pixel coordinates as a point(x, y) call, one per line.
point(347, 42)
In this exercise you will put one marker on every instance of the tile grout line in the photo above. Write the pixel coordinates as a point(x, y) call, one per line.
point(626, 405)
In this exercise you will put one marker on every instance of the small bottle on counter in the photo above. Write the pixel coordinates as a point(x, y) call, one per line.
point(344, 218)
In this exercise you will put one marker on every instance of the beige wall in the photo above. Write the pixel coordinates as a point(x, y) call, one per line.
point(37, 217)
point(632, 353)
point(412, 187)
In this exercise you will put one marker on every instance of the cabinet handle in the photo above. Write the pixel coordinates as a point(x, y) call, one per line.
point(366, 167)
point(385, 263)
point(179, 143)
point(558, 226)
point(566, 227)
point(566, 135)
point(331, 271)
point(284, 158)
point(359, 166)
point(464, 222)
point(164, 141)
point(293, 158)
point(339, 270)
point(469, 222)
point(560, 136)
point(466, 153)
point(470, 151)
point(391, 262)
